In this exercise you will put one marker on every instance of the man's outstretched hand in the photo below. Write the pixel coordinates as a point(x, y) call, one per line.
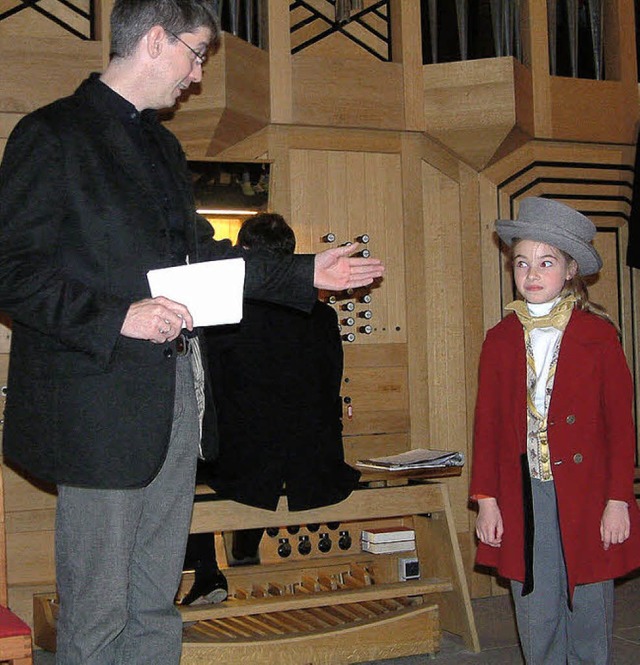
point(336, 269)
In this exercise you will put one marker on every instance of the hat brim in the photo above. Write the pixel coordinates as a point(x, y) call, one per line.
point(585, 254)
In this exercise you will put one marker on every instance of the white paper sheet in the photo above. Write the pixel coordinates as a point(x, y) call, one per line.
point(212, 290)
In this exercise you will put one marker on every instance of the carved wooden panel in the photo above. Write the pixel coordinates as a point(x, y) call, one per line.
point(349, 194)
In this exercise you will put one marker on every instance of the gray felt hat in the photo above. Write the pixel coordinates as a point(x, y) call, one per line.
point(555, 224)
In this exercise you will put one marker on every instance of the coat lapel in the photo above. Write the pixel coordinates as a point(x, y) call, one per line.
point(518, 367)
point(572, 375)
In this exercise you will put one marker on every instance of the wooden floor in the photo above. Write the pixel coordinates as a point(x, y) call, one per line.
point(495, 623)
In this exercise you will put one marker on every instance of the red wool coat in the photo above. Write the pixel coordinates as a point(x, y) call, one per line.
point(591, 441)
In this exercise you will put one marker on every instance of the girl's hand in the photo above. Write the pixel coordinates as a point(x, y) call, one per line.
point(489, 528)
point(614, 525)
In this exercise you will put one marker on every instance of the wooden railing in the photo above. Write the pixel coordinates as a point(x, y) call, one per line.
point(451, 31)
point(75, 16)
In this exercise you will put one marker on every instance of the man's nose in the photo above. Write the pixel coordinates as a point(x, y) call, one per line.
point(196, 72)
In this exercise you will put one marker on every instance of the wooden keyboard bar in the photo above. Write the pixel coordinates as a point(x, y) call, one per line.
point(223, 515)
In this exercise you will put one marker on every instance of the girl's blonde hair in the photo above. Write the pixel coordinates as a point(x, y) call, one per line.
point(577, 287)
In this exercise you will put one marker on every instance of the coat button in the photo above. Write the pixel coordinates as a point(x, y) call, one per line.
point(577, 458)
point(571, 419)
point(168, 352)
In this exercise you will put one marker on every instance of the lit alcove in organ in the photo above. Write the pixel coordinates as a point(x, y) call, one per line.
point(227, 193)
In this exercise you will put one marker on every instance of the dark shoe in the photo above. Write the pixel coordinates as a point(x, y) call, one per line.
point(241, 547)
point(245, 561)
point(209, 587)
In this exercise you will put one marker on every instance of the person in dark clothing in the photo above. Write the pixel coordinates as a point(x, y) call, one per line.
point(103, 378)
point(633, 243)
point(276, 378)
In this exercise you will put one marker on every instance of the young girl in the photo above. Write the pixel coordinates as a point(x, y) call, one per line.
point(554, 444)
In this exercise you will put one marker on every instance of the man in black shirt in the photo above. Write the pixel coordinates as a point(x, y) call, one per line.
point(94, 192)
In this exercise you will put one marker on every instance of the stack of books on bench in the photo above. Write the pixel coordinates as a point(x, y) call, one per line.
point(384, 540)
point(419, 458)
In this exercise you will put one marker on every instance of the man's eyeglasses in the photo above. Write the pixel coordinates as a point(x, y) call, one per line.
point(199, 58)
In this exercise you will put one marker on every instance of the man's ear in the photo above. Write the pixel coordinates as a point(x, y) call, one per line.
point(156, 40)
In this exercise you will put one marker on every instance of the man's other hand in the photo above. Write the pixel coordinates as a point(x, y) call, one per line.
point(158, 320)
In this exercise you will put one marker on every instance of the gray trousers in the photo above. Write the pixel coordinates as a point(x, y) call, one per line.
point(550, 632)
point(119, 556)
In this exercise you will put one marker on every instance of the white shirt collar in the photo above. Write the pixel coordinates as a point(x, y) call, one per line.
point(542, 308)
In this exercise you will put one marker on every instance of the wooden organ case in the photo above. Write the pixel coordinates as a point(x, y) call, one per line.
point(427, 156)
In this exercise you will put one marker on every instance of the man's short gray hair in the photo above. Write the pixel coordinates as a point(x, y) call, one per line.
point(132, 19)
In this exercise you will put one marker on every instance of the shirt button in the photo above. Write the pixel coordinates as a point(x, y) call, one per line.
point(168, 352)
point(571, 419)
point(577, 458)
